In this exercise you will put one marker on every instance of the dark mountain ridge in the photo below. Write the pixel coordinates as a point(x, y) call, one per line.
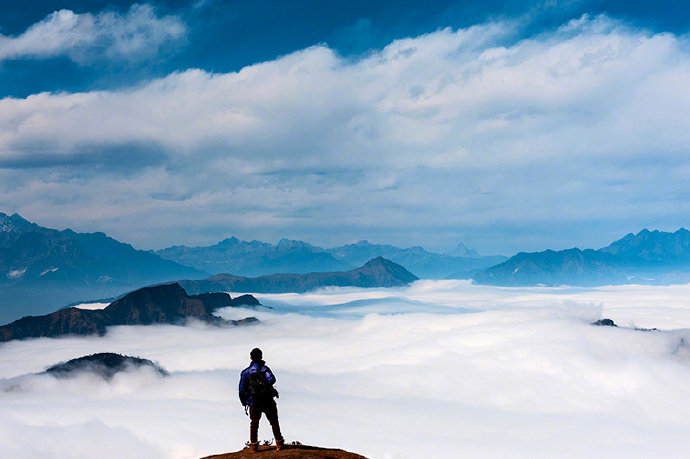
point(649, 257)
point(167, 303)
point(33, 254)
point(378, 272)
point(104, 364)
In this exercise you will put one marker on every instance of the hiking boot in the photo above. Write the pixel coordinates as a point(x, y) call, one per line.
point(254, 447)
point(279, 445)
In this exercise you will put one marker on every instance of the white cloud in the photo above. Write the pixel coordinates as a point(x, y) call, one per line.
point(468, 133)
point(388, 373)
point(16, 273)
point(132, 35)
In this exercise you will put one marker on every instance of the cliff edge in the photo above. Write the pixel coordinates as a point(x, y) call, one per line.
point(296, 451)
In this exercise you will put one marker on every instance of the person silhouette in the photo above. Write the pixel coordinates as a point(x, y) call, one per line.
point(257, 396)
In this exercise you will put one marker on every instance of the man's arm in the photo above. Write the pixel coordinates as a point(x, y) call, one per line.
point(269, 375)
point(242, 388)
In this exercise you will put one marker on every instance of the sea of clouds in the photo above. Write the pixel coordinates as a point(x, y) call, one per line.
point(439, 369)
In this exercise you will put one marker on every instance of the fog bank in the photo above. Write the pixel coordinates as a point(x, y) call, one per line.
point(439, 369)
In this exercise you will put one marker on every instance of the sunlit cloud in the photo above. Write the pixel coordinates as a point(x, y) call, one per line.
point(135, 34)
point(521, 363)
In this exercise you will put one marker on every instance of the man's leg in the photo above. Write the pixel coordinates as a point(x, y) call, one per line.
point(271, 411)
point(254, 417)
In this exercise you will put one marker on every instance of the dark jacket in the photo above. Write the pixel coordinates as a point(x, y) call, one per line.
point(245, 398)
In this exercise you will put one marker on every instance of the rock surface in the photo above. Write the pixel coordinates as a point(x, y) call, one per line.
point(294, 451)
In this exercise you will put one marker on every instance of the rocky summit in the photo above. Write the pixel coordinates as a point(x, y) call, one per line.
point(290, 451)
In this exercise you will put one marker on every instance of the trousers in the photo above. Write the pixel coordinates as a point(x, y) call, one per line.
point(269, 408)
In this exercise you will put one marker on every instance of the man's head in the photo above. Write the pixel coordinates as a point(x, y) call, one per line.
point(256, 354)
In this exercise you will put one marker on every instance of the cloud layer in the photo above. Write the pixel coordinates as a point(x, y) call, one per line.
point(576, 136)
point(109, 35)
point(522, 374)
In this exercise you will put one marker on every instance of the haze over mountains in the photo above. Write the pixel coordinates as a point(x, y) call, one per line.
point(648, 257)
point(255, 258)
point(42, 268)
point(258, 258)
point(33, 254)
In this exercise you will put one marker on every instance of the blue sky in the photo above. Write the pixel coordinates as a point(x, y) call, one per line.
point(505, 125)
point(224, 36)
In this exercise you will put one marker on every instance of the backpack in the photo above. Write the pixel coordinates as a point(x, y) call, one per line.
point(258, 387)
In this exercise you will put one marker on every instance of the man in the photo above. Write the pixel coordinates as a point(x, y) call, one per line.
point(256, 394)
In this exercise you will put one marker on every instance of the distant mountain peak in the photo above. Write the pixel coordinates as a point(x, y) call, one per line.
point(380, 266)
point(295, 245)
point(653, 246)
point(19, 219)
point(12, 222)
point(461, 250)
point(229, 241)
point(378, 261)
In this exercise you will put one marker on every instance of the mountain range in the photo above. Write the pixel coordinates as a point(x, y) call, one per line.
point(255, 258)
point(258, 258)
point(42, 268)
point(648, 257)
point(377, 272)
